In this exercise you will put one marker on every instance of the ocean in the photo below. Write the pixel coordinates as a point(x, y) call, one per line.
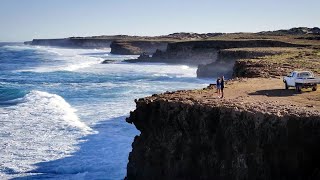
point(62, 112)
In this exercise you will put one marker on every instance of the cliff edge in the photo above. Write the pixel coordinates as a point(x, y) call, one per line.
point(258, 131)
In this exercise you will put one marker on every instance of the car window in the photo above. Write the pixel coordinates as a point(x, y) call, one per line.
point(290, 75)
point(304, 75)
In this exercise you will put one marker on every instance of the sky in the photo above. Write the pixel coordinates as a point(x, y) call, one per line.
point(22, 20)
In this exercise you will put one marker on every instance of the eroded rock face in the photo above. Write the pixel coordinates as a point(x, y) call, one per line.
point(227, 65)
point(182, 138)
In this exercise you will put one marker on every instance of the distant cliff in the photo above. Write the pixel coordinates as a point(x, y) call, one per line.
point(207, 52)
point(137, 47)
point(124, 44)
point(73, 42)
point(294, 31)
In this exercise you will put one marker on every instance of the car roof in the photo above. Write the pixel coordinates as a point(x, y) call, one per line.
point(301, 71)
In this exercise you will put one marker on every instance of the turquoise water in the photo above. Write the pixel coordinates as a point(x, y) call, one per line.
point(62, 112)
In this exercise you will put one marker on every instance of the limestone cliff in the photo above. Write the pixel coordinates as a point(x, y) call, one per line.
point(192, 135)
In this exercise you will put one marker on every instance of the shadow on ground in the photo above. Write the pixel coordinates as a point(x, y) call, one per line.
point(276, 92)
point(100, 156)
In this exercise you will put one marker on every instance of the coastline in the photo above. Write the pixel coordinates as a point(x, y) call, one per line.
point(192, 134)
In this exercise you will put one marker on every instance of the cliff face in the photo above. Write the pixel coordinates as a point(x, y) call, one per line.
point(207, 51)
point(227, 64)
point(136, 47)
point(186, 138)
point(225, 44)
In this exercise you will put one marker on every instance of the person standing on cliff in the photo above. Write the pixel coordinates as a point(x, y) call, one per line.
point(222, 86)
point(218, 85)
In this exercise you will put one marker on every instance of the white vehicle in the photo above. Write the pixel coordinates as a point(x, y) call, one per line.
point(301, 79)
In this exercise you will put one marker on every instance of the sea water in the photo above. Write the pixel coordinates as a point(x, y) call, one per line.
point(62, 112)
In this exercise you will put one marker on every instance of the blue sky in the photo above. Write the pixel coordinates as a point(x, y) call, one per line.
point(27, 19)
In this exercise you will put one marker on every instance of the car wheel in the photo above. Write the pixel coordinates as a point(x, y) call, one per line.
point(298, 88)
point(286, 85)
point(314, 88)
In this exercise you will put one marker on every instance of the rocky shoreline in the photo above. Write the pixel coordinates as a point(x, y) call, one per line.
point(256, 133)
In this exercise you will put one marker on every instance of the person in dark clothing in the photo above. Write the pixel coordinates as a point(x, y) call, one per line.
point(218, 85)
point(222, 86)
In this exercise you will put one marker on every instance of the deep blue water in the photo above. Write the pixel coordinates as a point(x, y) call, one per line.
point(62, 113)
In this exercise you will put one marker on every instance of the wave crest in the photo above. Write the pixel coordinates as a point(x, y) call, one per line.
point(51, 106)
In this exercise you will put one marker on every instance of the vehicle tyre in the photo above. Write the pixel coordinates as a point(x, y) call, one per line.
point(298, 88)
point(286, 85)
point(314, 88)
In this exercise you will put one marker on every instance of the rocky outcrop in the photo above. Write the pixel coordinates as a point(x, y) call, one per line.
point(137, 47)
point(258, 68)
point(183, 137)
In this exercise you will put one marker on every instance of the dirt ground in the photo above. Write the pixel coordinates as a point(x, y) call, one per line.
point(271, 89)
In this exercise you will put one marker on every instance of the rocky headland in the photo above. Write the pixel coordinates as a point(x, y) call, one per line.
point(258, 131)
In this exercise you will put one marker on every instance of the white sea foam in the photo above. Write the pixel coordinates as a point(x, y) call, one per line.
point(66, 59)
point(71, 63)
point(42, 127)
point(45, 105)
point(148, 69)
